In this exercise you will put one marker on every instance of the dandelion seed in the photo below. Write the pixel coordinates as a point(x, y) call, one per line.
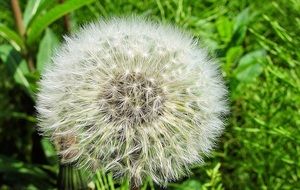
point(140, 99)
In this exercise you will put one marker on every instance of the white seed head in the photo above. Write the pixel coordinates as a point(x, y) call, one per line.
point(132, 97)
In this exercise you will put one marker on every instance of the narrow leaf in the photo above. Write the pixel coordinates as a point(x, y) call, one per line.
point(16, 65)
point(242, 19)
point(14, 39)
point(232, 57)
point(240, 26)
point(29, 174)
point(225, 28)
point(30, 10)
point(46, 49)
point(49, 150)
point(57, 12)
point(42, 7)
point(250, 66)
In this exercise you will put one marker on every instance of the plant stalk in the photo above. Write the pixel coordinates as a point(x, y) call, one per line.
point(67, 25)
point(70, 178)
point(21, 30)
point(18, 16)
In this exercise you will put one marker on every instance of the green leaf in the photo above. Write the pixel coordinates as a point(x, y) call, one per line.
point(17, 115)
point(16, 65)
point(232, 56)
point(30, 10)
point(49, 150)
point(187, 185)
point(225, 28)
point(52, 15)
point(33, 78)
point(242, 19)
point(15, 40)
point(240, 26)
point(27, 174)
point(110, 181)
point(250, 66)
point(42, 8)
point(46, 49)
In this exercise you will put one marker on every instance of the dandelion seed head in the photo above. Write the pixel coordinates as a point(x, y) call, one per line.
point(132, 97)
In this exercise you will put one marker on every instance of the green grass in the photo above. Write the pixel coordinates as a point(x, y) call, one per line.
point(257, 44)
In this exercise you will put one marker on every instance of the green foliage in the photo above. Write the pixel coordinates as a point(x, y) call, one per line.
point(106, 181)
point(15, 40)
point(53, 14)
point(213, 181)
point(46, 49)
point(250, 66)
point(257, 43)
point(15, 64)
point(27, 174)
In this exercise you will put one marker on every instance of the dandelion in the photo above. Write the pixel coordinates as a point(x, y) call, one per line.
point(132, 97)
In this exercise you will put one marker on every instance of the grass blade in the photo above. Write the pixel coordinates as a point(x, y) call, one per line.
point(30, 10)
point(14, 39)
point(15, 64)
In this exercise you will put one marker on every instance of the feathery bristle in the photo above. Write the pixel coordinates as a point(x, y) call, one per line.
point(132, 97)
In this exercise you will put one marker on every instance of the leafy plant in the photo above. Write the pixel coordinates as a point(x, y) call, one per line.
point(24, 62)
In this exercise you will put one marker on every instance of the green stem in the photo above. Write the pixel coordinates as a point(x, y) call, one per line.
point(70, 178)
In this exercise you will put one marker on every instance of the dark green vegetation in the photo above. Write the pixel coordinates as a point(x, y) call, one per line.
point(257, 43)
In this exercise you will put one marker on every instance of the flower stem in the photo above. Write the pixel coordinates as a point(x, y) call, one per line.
point(70, 178)
point(67, 25)
point(18, 16)
point(21, 30)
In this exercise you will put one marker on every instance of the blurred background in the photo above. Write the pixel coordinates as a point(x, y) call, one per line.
point(256, 42)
